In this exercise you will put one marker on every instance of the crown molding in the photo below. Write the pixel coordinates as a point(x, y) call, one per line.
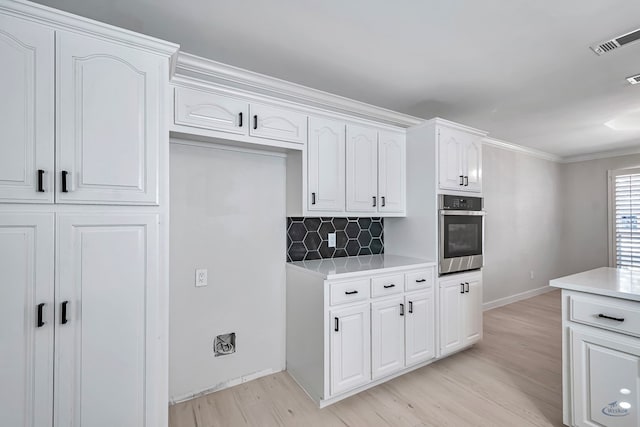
point(601, 155)
point(66, 21)
point(448, 123)
point(521, 149)
point(192, 66)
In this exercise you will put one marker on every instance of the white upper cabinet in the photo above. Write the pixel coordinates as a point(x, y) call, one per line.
point(110, 100)
point(210, 111)
point(277, 123)
point(26, 336)
point(460, 160)
point(326, 165)
point(27, 110)
point(391, 171)
point(362, 169)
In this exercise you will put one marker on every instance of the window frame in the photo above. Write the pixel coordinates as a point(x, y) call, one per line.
point(611, 215)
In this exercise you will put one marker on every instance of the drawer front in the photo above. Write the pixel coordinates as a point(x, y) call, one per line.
point(387, 285)
point(210, 111)
point(351, 291)
point(419, 279)
point(606, 313)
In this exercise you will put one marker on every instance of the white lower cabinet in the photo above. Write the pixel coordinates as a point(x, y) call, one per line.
point(387, 336)
point(606, 378)
point(460, 312)
point(376, 326)
point(102, 310)
point(350, 348)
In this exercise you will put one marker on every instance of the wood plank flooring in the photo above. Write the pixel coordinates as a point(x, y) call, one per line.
point(512, 378)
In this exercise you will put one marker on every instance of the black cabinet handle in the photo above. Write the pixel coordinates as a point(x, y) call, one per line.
point(313, 198)
point(462, 288)
point(421, 280)
point(64, 181)
point(401, 309)
point(337, 325)
point(466, 181)
point(63, 314)
point(384, 202)
point(617, 319)
point(350, 292)
point(389, 286)
point(374, 201)
point(40, 181)
point(239, 120)
point(466, 284)
point(410, 306)
point(255, 122)
point(40, 321)
point(461, 179)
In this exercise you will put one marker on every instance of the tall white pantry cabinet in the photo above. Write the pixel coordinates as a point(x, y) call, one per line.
point(83, 215)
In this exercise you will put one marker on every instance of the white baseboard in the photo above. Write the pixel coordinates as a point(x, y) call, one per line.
point(517, 297)
point(221, 386)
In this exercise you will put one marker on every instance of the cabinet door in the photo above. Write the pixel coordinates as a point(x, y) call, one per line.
point(451, 306)
point(207, 110)
point(27, 111)
point(26, 345)
point(473, 164)
point(276, 123)
point(420, 327)
point(107, 344)
point(450, 143)
point(387, 337)
point(472, 311)
point(110, 117)
point(350, 348)
point(605, 374)
point(325, 167)
point(362, 169)
point(391, 171)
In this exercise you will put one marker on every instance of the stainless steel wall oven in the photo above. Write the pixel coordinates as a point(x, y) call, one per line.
point(461, 233)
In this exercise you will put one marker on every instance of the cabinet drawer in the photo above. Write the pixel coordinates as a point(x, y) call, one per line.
point(606, 313)
point(387, 285)
point(210, 111)
point(351, 291)
point(419, 279)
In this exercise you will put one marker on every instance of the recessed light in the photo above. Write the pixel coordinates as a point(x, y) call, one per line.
point(627, 121)
point(634, 80)
point(625, 405)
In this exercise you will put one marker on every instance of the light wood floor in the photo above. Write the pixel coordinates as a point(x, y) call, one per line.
point(512, 378)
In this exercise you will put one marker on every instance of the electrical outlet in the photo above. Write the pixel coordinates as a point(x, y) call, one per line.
point(201, 277)
point(332, 240)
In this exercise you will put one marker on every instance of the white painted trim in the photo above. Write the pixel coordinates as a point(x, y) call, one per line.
point(217, 73)
point(601, 155)
point(493, 142)
point(67, 21)
point(213, 146)
point(223, 385)
point(515, 298)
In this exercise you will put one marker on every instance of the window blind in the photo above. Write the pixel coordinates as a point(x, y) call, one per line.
point(626, 205)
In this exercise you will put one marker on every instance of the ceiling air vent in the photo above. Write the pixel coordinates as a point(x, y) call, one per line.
point(609, 45)
point(634, 80)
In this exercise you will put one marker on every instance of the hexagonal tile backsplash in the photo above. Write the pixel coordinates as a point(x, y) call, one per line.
point(307, 238)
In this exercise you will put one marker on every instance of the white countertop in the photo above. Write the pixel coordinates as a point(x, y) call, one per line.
point(335, 268)
point(613, 282)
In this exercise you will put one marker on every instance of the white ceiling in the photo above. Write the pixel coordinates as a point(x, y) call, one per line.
point(520, 69)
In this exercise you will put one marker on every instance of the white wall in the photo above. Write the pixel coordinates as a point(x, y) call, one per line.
point(585, 224)
point(522, 196)
point(227, 215)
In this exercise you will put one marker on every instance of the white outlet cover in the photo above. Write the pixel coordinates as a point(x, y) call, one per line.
point(331, 237)
point(201, 277)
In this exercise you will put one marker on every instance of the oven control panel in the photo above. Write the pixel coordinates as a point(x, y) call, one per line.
point(460, 203)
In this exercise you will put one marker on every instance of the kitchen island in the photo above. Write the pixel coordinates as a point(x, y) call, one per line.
point(601, 347)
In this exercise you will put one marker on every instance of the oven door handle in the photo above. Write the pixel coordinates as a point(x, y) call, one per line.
point(462, 213)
